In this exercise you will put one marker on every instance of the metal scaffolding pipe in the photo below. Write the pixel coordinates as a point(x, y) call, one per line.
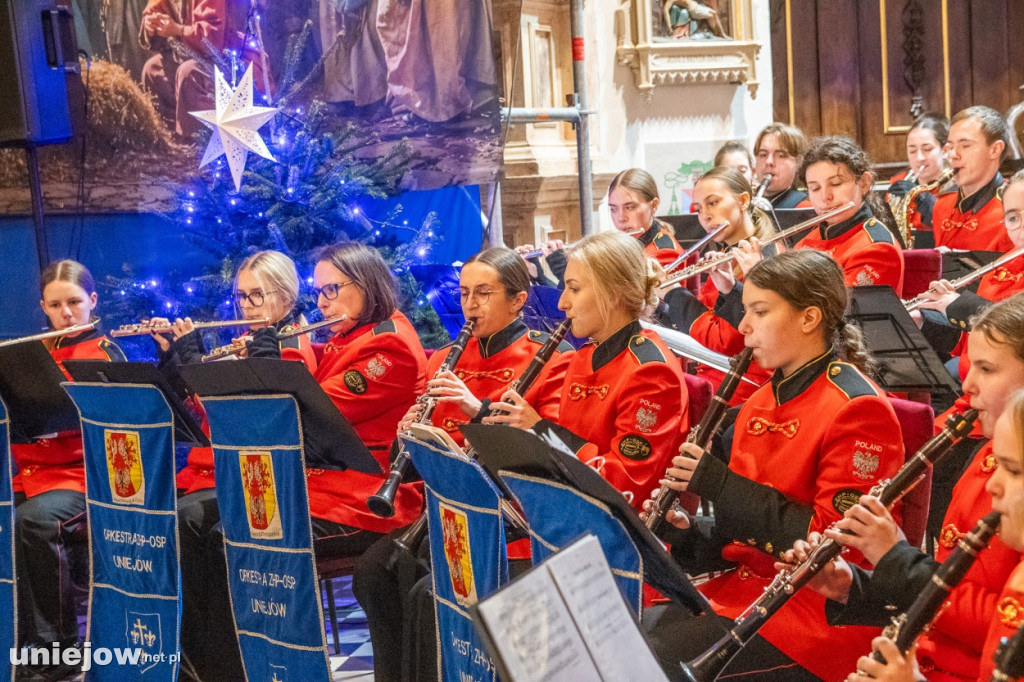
point(583, 128)
point(529, 115)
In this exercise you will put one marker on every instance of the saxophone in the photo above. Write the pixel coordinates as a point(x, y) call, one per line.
point(901, 207)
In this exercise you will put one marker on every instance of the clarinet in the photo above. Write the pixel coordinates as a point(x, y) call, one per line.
point(701, 434)
point(1010, 658)
point(383, 502)
point(709, 665)
point(413, 536)
point(905, 629)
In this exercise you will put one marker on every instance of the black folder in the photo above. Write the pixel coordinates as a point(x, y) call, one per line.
point(956, 264)
point(331, 442)
point(186, 427)
point(30, 384)
point(907, 362)
point(504, 448)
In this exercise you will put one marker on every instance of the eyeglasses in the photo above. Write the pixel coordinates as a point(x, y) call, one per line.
point(255, 298)
point(330, 291)
point(1012, 219)
point(481, 295)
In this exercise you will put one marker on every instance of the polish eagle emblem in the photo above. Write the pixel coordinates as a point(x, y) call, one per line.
point(864, 465)
point(646, 420)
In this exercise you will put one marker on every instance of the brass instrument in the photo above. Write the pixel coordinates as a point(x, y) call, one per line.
point(908, 626)
point(959, 283)
point(382, 503)
point(701, 268)
point(901, 206)
point(239, 345)
point(701, 434)
point(413, 536)
point(140, 328)
point(709, 665)
point(759, 201)
point(70, 331)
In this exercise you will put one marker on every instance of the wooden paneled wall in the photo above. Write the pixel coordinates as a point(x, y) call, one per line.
point(853, 66)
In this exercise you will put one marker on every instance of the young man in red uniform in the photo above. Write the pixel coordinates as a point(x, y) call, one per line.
point(806, 446)
point(952, 648)
point(837, 172)
point(971, 217)
point(49, 487)
point(778, 151)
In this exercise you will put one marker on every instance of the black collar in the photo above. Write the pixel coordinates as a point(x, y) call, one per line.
point(647, 238)
point(787, 388)
point(289, 320)
point(831, 231)
point(977, 201)
point(787, 198)
point(613, 345)
point(90, 335)
point(503, 338)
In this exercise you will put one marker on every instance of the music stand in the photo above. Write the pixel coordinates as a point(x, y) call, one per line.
point(186, 428)
point(956, 264)
point(506, 448)
point(30, 383)
point(907, 362)
point(330, 441)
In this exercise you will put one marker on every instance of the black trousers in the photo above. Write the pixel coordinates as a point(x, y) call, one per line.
point(207, 625)
point(47, 553)
point(678, 636)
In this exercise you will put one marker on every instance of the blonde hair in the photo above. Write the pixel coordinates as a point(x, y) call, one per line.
point(621, 272)
point(636, 180)
point(275, 272)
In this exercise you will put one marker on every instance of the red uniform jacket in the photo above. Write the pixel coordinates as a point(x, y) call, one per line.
point(56, 463)
point(660, 243)
point(863, 247)
point(490, 366)
point(805, 448)
point(373, 374)
point(952, 648)
point(624, 409)
point(974, 223)
point(1008, 617)
point(198, 473)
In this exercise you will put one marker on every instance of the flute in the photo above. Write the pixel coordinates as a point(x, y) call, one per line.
point(238, 346)
point(69, 331)
point(140, 328)
point(959, 283)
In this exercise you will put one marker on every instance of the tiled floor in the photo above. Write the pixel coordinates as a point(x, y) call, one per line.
point(354, 663)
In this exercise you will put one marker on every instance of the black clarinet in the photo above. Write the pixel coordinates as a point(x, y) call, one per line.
point(906, 628)
point(1010, 658)
point(701, 434)
point(383, 502)
point(413, 536)
point(709, 665)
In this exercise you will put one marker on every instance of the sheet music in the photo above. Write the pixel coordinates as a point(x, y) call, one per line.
point(566, 621)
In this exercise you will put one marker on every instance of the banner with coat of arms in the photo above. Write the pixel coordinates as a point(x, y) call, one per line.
point(260, 475)
point(8, 615)
point(134, 596)
point(467, 550)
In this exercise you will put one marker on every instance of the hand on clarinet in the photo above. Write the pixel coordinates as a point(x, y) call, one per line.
point(833, 581)
point(513, 411)
point(683, 466)
point(938, 296)
point(869, 527)
point(897, 668)
point(677, 517)
point(412, 415)
point(448, 388)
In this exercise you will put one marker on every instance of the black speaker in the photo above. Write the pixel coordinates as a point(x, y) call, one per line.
point(38, 64)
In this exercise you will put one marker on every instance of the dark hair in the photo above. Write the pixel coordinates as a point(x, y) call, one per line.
point(732, 147)
point(993, 125)
point(367, 269)
point(67, 271)
point(791, 139)
point(840, 150)
point(937, 124)
point(512, 272)
point(807, 278)
point(636, 180)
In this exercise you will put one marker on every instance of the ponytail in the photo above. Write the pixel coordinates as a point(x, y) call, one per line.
point(849, 341)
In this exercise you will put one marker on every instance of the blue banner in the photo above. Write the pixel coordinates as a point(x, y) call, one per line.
point(8, 615)
point(577, 514)
point(467, 550)
point(260, 474)
point(134, 588)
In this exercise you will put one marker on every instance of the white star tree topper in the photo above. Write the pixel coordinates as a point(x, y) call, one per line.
point(235, 123)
